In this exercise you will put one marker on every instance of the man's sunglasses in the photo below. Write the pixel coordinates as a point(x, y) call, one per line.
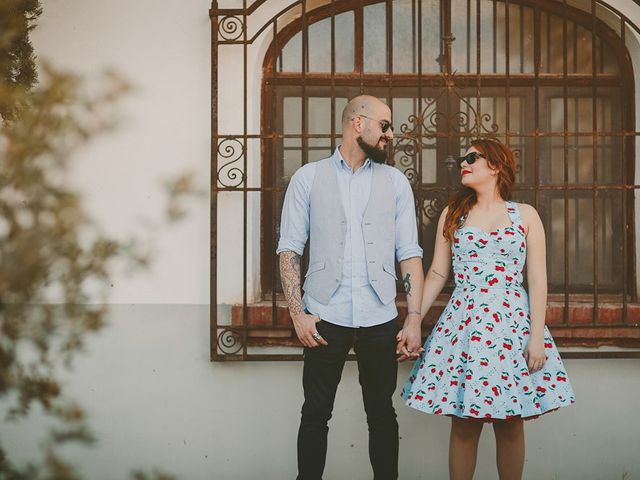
point(384, 124)
point(470, 157)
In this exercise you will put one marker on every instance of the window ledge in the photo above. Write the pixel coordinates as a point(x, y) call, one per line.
point(578, 330)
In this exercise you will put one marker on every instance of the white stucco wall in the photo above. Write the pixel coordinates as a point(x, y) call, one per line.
point(153, 396)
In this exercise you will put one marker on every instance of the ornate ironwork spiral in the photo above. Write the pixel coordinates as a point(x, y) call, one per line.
point(230, 341)
point(493, 128)
point(412, 175)
point(230, 28)
point(231, 150)
point(431, 207)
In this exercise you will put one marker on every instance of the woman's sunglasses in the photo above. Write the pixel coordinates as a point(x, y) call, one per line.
point(470, 158)
point(384, 124)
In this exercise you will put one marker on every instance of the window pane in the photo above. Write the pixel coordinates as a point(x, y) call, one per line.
point(320, 44)
point(291, 58)
point(405, 55)
point(375, 38)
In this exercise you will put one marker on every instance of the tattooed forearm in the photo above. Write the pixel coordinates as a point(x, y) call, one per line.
point(439, 274)
point(290, 275)
point(407, 283)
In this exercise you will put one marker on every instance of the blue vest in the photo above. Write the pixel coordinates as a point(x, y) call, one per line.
point(328, 229)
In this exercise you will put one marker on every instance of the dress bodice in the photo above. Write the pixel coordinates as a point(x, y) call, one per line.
point(493, 259)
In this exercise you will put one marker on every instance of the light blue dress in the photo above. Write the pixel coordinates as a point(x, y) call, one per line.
point(473, 363)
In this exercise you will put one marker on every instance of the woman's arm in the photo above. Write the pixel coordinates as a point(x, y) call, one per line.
point(537, 279)
point(439, 270)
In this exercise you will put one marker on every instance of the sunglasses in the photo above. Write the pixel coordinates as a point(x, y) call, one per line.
point(384, 124)
point(470, 158)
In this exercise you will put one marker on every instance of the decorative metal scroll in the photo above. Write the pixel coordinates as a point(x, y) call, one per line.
point(230, 153)
point(230, 28)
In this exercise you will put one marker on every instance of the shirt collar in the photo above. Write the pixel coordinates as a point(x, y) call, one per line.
point(339, 161)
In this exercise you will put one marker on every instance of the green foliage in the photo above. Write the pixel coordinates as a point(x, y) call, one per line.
point(50, 249)
point(17, 60)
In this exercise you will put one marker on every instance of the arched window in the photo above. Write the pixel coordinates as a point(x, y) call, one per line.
point(452, 71)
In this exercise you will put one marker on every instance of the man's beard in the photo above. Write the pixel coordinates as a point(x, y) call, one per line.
point(378, 155)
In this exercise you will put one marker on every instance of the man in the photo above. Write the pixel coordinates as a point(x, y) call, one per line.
point(359, 216)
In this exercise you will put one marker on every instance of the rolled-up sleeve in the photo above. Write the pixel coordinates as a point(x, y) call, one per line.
point(294, 223)
point(406, 225)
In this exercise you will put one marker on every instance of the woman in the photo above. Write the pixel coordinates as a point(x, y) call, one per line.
point(490, 357)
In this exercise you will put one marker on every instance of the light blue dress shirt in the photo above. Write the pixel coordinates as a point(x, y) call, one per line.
point(355, 303)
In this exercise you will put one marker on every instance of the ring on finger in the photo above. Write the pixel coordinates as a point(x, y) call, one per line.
point(316, 336)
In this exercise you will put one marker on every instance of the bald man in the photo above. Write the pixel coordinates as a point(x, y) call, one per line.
point(358, 215)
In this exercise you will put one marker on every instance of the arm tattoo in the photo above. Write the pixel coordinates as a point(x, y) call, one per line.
point(439, 274)
point(290, 275)
point(407, 283)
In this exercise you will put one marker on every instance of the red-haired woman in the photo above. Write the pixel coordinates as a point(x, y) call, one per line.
point(490, 357)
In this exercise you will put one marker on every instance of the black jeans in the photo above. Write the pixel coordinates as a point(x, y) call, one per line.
point(377, 367)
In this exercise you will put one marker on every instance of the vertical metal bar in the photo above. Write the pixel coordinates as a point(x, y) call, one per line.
point(245, 193)
point(565, 106)
point(389, 43)
point(333, 75)
point(418, 114)
point(548, 16)
point(596, 203)
point(507, 40)
point(521, 38)
point(276, 153)
point(213, 209)
point(478, 54)
point(305, 68)
point(359, 52)
point(625, 192)
point(448, 36)
point(537, 38)
point(495, 36)
point(468, 36)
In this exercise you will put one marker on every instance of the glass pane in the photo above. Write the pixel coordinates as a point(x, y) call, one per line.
point(345, 42)
point(405, 55)
point(431, 36)
point(610, 234)
point(464, 40)
point(320, 44)
point(578, 250)
point(584, 59)
point(375, 38)
point(292, 115)
point(291, 58)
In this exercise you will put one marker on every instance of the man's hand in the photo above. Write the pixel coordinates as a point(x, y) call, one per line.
point(409, 340)
point(305, 326)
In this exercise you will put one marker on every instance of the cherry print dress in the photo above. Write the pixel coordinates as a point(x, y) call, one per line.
point(473, 363)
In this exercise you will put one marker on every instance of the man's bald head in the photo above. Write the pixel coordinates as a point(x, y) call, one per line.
point(363, 105)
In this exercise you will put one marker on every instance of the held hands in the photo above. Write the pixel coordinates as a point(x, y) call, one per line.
point(306, 331)
point(534, 355)
point(409, 340)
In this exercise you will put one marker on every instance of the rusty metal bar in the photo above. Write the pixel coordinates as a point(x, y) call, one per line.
point(275, 264)
point(305, 68)
point(507, 69)
point(333, 75)
point(625, 194)
point(565, 106)
point(213, 208)
point(537, 38)
point(245, 194)
point(595, 178)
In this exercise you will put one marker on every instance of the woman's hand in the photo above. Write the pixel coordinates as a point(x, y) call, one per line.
point(534, 355)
